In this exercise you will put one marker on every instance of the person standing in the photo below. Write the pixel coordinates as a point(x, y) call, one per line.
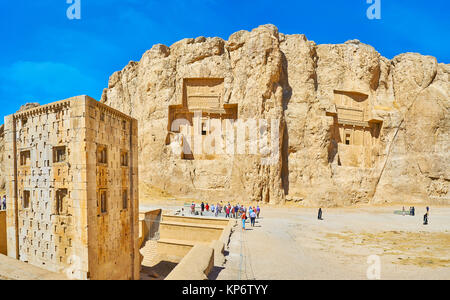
point(227, 212)
point(4, 202)
point(193, 208)
point(319, 215)
point(207, 207)
point(258, 210)
point(244, 218)
point(202, 206)
point(253, 218)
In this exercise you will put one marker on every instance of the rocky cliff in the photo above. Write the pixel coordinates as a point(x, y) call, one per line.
point(354, 126)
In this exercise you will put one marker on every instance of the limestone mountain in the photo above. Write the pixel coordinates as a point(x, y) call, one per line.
point(354, 126)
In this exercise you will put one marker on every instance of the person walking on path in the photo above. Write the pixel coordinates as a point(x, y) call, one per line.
point(207, 207)
point(243, 218)
point(227, 212)
point(202, 206)
point(253, 218)
point(258, 210)
point(193, 208)
point(4, 202)
point(319, 215)
point(425, 217)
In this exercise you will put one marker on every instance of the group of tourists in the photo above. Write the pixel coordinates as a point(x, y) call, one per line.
point(3, 203)
point(231, 211)
point(412, 211)
point(253, 213)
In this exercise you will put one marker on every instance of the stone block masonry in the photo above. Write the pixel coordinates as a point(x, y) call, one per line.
point(72, 186)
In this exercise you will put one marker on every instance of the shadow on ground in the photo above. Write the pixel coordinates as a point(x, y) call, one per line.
point(215, 273)
point(158, 271)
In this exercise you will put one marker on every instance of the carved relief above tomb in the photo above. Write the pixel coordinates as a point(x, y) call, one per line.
point(202, 98)
point(203, 93)
point(355, 131)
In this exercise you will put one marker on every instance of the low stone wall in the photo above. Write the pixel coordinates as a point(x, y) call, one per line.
point(220, 244)
point(190, 232)
point(196, 265)
point(198, 258)
point(196, 220)
point(179, 234)
point(174, 250)
point(226, 233)
point(148, 225)
point(3, 238)
point(12, 269)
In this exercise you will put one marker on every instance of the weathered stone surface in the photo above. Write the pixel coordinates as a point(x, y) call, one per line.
point(72, 166)
point(251, 75)
point(394, 115)
point(271, 75)
point(2, 147)
point(28, 106)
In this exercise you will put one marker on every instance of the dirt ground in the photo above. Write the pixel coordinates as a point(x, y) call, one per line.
point(291, 243)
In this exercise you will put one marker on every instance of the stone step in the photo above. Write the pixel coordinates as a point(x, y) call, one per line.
point(196, 220)
point(175, 249)
point(190, 232)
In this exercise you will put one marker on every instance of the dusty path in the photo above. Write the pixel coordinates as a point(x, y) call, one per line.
point(290, 243)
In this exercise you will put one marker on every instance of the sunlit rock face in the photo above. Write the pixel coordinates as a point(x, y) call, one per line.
point(351, 125)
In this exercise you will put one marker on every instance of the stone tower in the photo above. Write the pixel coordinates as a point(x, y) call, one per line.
point(72, 189)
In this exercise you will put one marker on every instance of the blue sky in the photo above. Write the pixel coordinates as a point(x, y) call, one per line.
point(45, 57)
